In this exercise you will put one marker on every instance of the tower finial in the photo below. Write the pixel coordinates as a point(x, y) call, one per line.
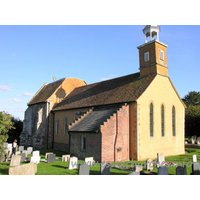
point(151, 30)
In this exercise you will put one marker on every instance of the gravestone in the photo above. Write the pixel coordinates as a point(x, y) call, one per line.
point(181, 170)
point(48, 154)
point(105, 168)
point(163, 170)
point(25, 152)
point(5, 144)
point(195, 168)
point(193, 140)
point(89, 161)
point(51, 158)
point(21, 148)
point(15, 160)
point(65, 158)
point(84, 169)
point(29, 150)
point(138, 168)
point(26, 169)
point(134, 173)
point(194, 157)
point(73, 163)
point(161, 159)
point(9, 147)
point(17, 152)
point(149, 164)
point(36, 153)
point(198, 140)
point(23, 157)
point(35, 158)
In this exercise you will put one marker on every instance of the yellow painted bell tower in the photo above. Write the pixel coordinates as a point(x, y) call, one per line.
point(152, 54)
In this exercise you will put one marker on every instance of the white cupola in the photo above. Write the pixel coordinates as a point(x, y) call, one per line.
point(151, 31)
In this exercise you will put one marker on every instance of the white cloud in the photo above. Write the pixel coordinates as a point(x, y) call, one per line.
point(17, 100)
point(9, 100)
point(5, 88)
point(27, 94)
point(109, 77)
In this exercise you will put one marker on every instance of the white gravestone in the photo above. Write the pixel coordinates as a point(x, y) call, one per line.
point(73, 163)
point(149, 164)
point(30, 149)
point(194, 158)
point(65, 158)
point(26, 153)
point(5, 144)
point(89, 161)
point(36, 157)
point(9, 149)
point(161, 159)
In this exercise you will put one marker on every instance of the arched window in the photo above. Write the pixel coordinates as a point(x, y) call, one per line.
point(151, 120)
point(162, 121)
point(173, 121)
point(65, 125)
point(83, 143)
point(57, 126)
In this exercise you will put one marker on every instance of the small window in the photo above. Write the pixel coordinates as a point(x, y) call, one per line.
point(151, 120)
point(40, 115)
point(174, 121)
point(65, 125)
point(146, 56)
point(83, 143)
point(162, 121)
point(161, 55)
point(57, 126)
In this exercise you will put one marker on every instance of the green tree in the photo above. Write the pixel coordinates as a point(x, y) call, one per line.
point(192, 98)
point(5, 125)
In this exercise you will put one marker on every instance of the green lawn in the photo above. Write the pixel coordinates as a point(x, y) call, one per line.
point(59, 168)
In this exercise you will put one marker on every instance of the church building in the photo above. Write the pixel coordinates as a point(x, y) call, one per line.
point(130, 117)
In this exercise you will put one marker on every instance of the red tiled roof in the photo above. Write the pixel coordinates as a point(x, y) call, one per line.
point(45, 92)
point(119, 90)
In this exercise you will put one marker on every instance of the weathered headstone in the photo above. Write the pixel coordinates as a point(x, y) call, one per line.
point(138, 168)
point(134, 173)
point(194, 157)
point(26, 169)
point(73, 163)
point(65, 158)
point(26, 152)
point(89, 161)
point(193, 140)
point(22, 156)
point(181, 170)
point(29, 150)
point(51, 158)
point(21, 148)
point(9, 147)
point(198, 140)
point(163, 170)
point(15, 160)
point(149, 164)
point(84, 169)
point(17, 152)
point(48, 154)
point(36, 153)
point(105, 168)
point(195, 168)
point(161, 159)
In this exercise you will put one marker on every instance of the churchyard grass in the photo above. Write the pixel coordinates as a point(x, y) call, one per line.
point(59, 168)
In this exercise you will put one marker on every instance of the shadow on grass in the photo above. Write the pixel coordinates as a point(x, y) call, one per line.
point(4, 171)
point(59, 166)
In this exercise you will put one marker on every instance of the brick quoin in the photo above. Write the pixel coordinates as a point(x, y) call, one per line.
point(115, 135)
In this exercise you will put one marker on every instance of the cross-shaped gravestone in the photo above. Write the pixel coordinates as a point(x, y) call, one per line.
point(163, 170)
point(181, 170)
point(51, 158)
point(105, 168)
point(73, 163)
point(84, 169)
point(15, 160)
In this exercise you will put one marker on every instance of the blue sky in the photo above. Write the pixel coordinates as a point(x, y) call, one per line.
point(31, 55)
